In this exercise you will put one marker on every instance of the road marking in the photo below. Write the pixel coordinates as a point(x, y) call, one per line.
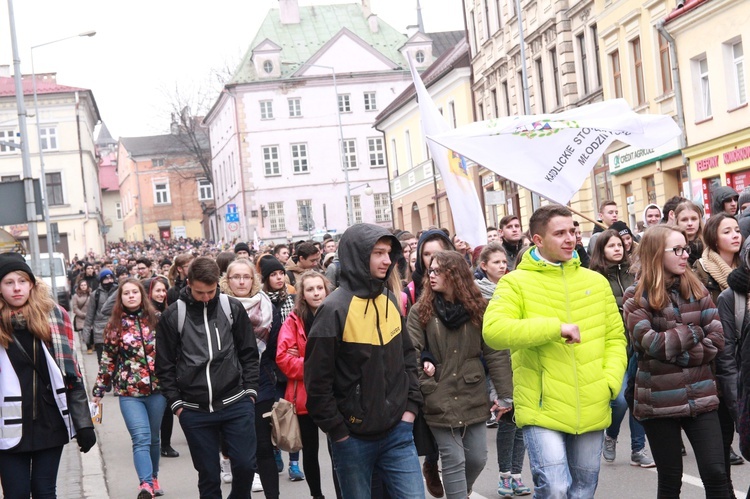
point(474, 495)
point(697, 482)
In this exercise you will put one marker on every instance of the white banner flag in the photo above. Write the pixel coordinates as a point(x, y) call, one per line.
point(462, 195)
point(552, 154)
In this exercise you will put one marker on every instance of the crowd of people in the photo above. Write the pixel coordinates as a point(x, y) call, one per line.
point(397, 345)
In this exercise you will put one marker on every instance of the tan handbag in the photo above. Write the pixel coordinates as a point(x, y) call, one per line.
point(285, 432)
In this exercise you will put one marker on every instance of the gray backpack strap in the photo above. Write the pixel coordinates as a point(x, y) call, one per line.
point(224, 300)
point(181, 313)
point(740, 303)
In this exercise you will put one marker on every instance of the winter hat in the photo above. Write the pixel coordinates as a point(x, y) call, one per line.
point(744, 197)
point(269, 265)
point(121, 270)
point(328, 258)
point(10, 262)
point(104, 273)
point(242, 247)
point(621, 228)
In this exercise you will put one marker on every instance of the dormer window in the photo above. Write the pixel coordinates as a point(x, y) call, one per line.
point(268, 67)
point(420, 56)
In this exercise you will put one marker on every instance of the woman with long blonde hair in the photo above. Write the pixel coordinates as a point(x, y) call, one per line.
point(43, 399)
point(676, 333)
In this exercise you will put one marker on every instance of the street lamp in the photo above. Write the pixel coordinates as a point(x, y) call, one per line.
point(350, 208)
point(43, 179)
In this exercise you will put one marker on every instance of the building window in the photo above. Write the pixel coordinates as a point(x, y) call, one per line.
point(376, 149)
point(48, 137)
point(407, 143)
point(473, 33)
point(295, 107)
point(118, 211)
point(161, 193)
point(8, 136)
point(382, 207)
point(271, 160)
point(493, 99)
point(506, 95)
point(556, 76)
point(357, 208)
point(299, 158)
point(394, 153)
point(738, 69)
point(480, 108)
point(54, 189)
point(344, 105)
point(157, 162)
point(616, 74)
point(704, 98)
point(519, 93)
point(266, 110)
point(370, 103)
point(665, 65)
point(276, 216)
point(420, 56)
point(486, 19)
point(205, 190)
point(540, 78)
point(350, 153)
point(595, 36)
point(305, 215)
point(268, 67)
point(640, 89)
point(581, 42)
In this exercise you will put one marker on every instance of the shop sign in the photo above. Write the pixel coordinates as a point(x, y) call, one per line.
point(736, 155)
point(633, 157)
point(707, 163)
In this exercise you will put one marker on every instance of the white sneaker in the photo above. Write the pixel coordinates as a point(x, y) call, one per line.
point(226, 469)
point(257, 486)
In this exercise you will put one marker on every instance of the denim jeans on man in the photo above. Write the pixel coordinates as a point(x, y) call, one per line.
point(620, 407)
point(143, 417)
point(393, 456)
point(30, 474)
point(202, 430)
point(463, 452)
point(563, 465)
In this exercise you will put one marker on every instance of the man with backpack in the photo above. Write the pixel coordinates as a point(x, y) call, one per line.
point(207, 363)
point(97, 315)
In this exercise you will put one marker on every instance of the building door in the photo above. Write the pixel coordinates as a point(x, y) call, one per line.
point(416, 219)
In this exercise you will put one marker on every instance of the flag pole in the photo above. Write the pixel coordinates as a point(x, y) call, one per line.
point(596, 222)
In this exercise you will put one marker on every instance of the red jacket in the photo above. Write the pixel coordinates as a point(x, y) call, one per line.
point(292, 335)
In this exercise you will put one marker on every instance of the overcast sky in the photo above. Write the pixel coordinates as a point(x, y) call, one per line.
point(142, 49)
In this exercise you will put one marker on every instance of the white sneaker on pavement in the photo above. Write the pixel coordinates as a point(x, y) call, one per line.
point(226, 469)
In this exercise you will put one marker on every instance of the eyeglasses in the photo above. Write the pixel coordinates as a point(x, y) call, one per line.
point(239, 278)
point(435, 271)
point(679, 250)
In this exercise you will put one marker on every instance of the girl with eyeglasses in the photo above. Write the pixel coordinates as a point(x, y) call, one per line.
point(675, 331)
point(445, 326)
point(242, 282)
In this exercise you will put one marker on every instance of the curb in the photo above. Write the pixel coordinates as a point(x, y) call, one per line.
point(93, 481)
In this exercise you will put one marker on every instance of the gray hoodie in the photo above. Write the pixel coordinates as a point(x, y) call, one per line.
point(719, 196)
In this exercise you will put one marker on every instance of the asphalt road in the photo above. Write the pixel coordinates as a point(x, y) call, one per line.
point(179, 479)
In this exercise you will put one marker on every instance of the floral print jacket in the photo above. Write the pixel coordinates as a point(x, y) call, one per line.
point(128, 360)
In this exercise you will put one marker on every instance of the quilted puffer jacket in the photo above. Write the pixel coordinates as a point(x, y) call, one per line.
point(675, 347)
point(559, 386)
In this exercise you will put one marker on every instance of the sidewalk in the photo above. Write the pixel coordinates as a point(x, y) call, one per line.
point(81, 476)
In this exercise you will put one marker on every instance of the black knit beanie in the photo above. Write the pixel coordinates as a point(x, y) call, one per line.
point(10, 262)
point(269, 265)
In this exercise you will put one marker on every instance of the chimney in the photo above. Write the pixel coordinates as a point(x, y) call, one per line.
point(5, 70)
point(373, 22)
point(289, 11)
point(366, 10)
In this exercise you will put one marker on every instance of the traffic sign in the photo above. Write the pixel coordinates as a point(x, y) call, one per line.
point(232, 217)
point(231, 208)
point(233, 227)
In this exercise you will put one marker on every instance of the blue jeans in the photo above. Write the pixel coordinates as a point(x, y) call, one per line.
point(563, 465)
point(620, 407)
point(463, 452)
point(394, 457)
point(143, 417)
point(510, 446)
point(27, 474)
point(202, 430)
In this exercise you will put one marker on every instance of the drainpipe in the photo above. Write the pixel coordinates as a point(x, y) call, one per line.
point(677, 88)
point(83, 174)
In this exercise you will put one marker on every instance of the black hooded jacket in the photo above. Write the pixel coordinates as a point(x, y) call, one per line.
point(360, 365)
